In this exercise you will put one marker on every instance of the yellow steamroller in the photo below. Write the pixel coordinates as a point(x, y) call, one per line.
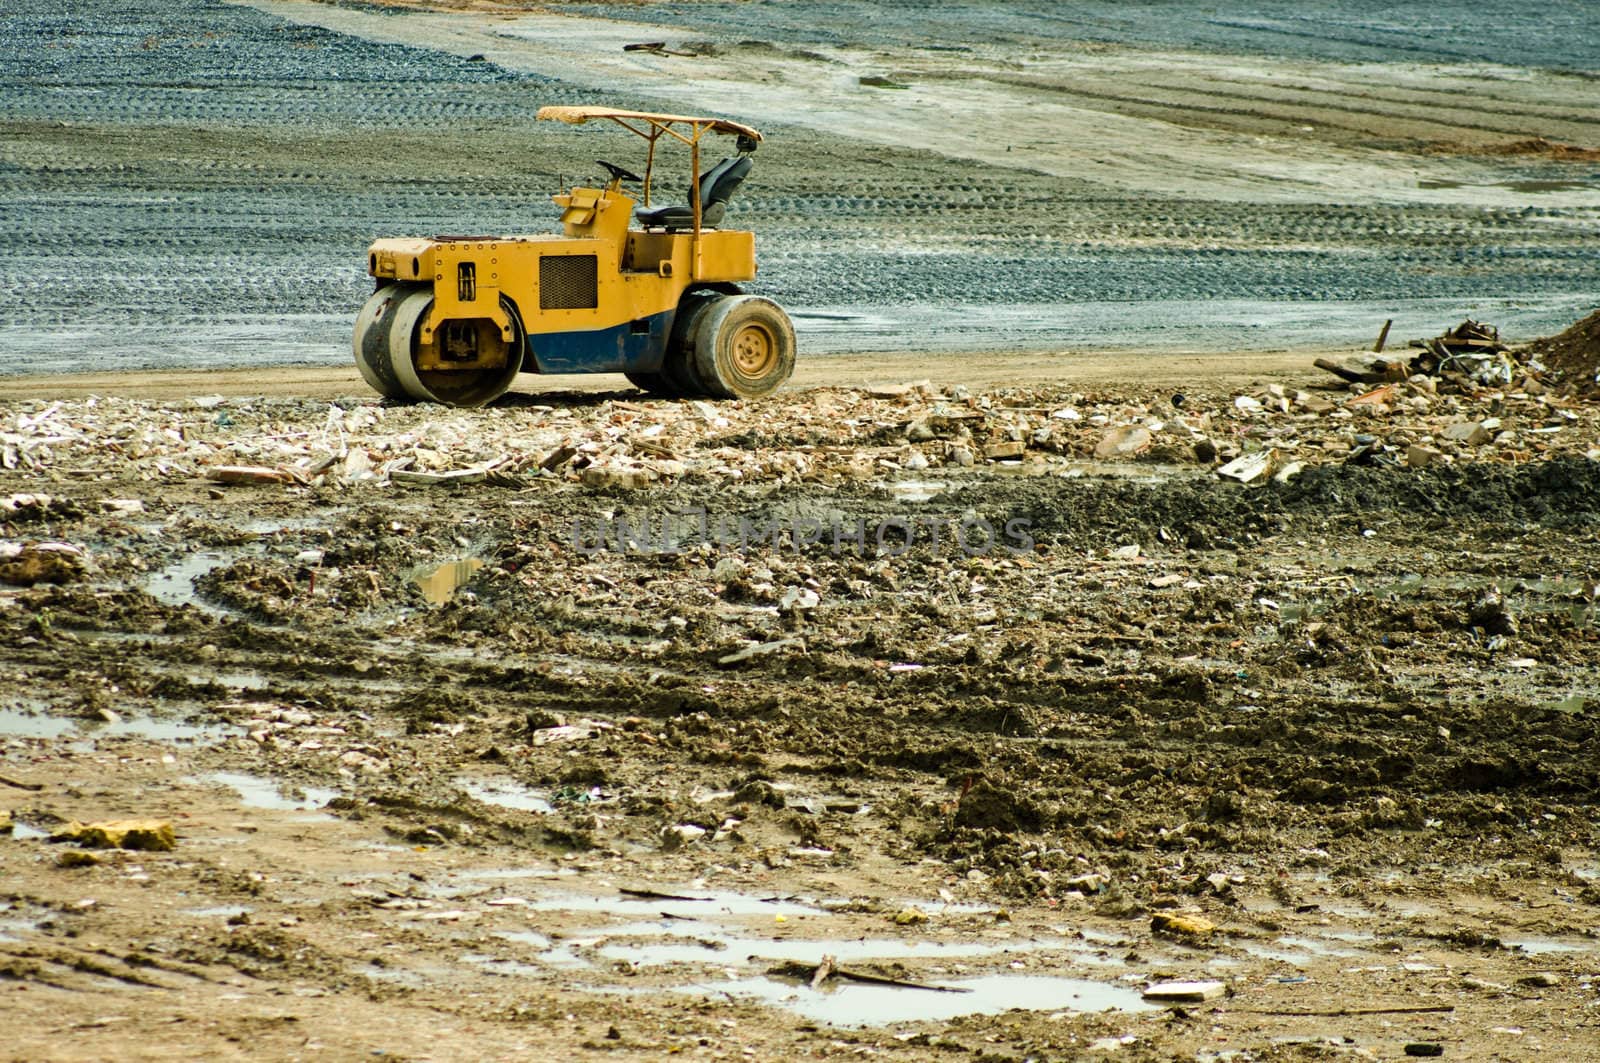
point(649, 291)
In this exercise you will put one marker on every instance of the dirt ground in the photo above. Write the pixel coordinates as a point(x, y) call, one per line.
point(594, 725)
point(1346, 720)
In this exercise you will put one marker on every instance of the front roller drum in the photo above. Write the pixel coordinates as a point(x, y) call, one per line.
point(371, 343)
point(501, 360)
point(743, 347)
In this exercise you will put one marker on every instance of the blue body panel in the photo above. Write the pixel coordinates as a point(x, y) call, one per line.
point(636, 346)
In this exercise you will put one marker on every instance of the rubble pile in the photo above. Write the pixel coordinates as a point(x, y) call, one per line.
point(1574, 355)
point(826, 435)
point(1463, 358)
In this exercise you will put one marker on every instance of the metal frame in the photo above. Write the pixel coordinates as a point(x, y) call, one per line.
point(659, 124)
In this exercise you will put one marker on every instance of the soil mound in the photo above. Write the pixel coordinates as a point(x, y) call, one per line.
point(1575, 353)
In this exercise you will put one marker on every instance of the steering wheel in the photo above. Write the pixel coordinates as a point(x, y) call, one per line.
point(618, 173)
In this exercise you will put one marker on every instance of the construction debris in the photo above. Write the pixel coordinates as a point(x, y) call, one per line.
point(1250, 468)
point(248, 474)
point(1470, 352)
point(1465, 357)
point(1184, 992)
point(815, 976)
point(828, 436)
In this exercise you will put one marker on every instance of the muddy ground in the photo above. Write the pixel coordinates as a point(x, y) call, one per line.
point(408, 811)
point(460, 767)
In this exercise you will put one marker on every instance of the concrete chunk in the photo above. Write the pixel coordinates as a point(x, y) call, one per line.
point(1124, 442)
point(1470, 433)
point(1250, 468)
point(1184, 992)
point(1420, 457)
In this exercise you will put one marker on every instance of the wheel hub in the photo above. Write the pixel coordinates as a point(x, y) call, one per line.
point(753, 350)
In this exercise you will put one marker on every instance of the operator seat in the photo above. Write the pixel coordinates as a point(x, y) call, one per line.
point(717, 186)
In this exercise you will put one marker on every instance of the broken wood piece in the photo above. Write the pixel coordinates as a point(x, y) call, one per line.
point(558, 457)
point(656, 48)
point(816, 975)
point(654, 895)
point(248, 474)
point(1355, 376)
point(1339, 1013)
point(759, 648)
point(1376, 397)
point(452, 478)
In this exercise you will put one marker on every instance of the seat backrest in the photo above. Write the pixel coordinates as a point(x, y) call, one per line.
point(718, 184)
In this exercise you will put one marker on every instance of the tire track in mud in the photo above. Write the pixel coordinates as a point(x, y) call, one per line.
point(1552, 37)
point(1253, 110)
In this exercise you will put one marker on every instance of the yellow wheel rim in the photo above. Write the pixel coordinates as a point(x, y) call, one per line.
point(754, 352)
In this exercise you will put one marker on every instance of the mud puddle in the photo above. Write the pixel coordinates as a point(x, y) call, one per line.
point(1535, 596)
point(732, 929)
point(550, 954)
point(22, 723)
point(505, 794)
point(175, 584)
point(728, 949)
point(715, 930)
point(1543, 946)
point(852, 1005)
point(158, 730)
point(266, 527)
point(699, 905)
point(1298, 950)
point(15, 927)
point(1170, 326)
point(256, 791)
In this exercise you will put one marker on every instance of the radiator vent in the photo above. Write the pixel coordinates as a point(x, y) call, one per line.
point(569, 282)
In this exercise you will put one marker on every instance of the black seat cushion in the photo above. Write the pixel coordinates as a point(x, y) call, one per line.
point(717, 186)
point(679, 216)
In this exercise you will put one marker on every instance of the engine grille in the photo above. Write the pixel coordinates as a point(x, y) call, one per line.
point(568, 282)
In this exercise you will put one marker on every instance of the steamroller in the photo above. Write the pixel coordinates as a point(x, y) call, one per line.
point(648, 290)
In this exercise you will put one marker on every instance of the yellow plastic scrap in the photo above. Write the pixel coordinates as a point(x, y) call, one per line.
point(152, 835)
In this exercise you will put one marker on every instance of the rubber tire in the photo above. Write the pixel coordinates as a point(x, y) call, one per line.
point(654, 383)
point(677, 367)
point(371, 343)
point(734, 320)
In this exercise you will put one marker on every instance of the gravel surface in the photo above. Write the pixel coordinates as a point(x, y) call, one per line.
point(1553, 37)
point(194, 184)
